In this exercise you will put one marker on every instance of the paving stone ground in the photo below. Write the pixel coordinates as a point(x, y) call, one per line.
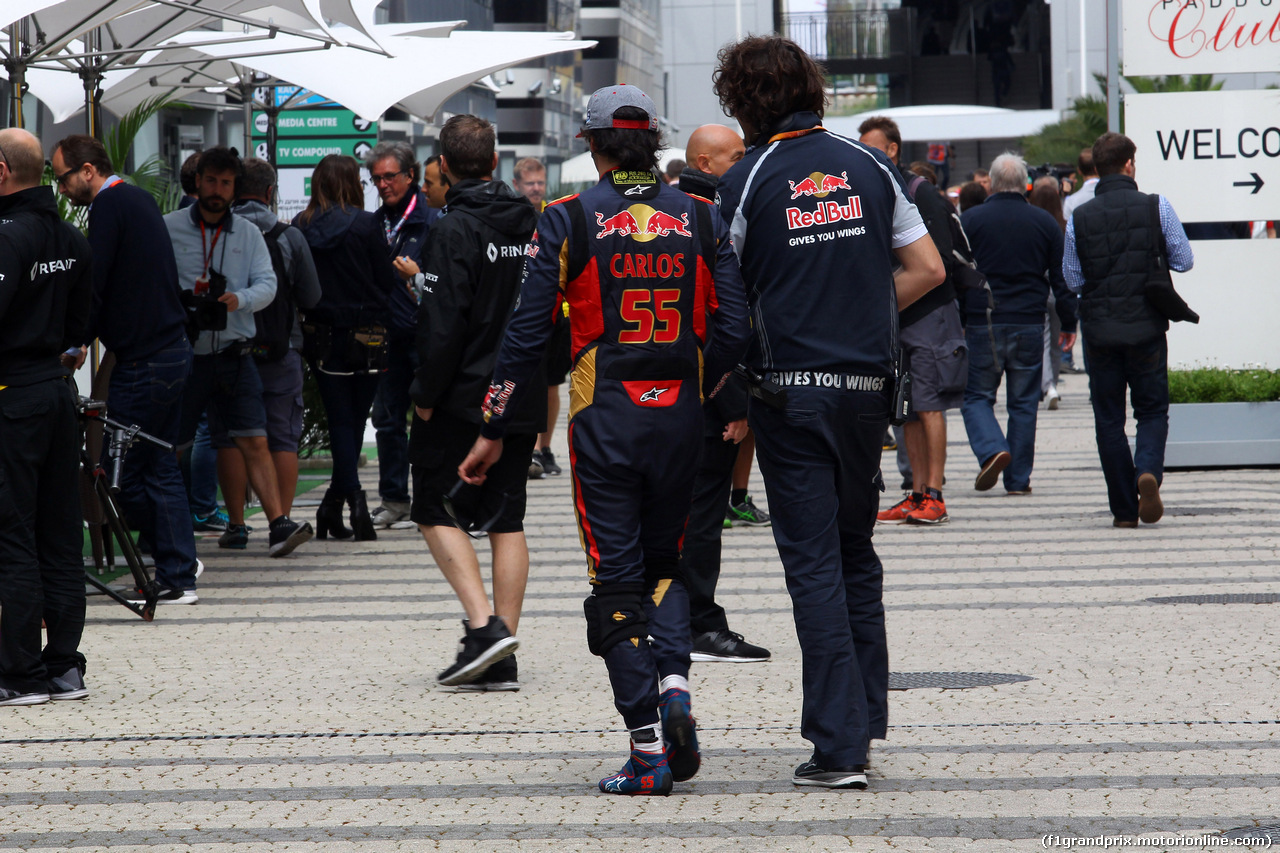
point(294, 707)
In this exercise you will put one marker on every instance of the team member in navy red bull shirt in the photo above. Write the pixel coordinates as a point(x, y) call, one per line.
point(816, 221)
point(658, 314)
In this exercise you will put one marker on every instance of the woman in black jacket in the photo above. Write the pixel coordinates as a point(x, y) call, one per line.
point(346, 330)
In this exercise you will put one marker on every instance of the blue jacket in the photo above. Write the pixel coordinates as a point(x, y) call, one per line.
point(1018, 247)
point(239, 253)
point(815, 218)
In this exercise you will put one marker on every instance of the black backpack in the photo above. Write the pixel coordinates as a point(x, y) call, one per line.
point(275, 322)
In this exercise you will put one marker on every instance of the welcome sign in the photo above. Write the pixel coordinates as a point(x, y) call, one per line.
point(1200, 36)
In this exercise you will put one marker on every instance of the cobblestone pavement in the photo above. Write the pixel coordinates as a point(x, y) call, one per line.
point(294, 707)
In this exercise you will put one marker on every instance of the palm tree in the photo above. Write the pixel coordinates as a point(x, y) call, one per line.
point(1086, 118)
point(151, 174)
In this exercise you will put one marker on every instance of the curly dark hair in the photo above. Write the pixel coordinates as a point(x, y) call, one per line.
point(761, 79)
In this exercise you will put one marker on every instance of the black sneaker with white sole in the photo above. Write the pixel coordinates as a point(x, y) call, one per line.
point(502, 677)
point(286, 535)
point(166, 596)
point(727, 647)
point(480, 649)
point(69, 685)
point(812, 774)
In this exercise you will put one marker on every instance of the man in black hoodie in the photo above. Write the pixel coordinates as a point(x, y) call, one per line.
point(472, 272)
point(45, 289)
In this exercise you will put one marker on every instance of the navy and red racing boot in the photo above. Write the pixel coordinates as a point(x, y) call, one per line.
point(680, 733)
point(644, 773)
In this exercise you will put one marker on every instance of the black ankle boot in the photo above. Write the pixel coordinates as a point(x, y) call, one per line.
point(361, 523)
point(329, 517)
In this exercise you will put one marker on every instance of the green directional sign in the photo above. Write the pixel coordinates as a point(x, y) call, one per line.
point(309, 152)
point(329, 123)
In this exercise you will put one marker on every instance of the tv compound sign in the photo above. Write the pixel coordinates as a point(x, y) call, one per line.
point(1200, 36)
point(1214, 155)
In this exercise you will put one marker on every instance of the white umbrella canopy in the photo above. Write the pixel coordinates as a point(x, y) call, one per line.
point(414, 79)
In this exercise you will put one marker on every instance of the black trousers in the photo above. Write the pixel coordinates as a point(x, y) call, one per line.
point(700, 558)
point(41, 570)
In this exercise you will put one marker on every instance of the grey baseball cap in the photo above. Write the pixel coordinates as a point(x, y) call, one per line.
point(607, 101)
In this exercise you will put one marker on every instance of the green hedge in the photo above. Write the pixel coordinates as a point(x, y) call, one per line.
point(1217, 385)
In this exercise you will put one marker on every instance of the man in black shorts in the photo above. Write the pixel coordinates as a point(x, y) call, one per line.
point(472, 270)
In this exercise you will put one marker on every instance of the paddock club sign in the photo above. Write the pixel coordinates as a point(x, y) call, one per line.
point(1200, 36)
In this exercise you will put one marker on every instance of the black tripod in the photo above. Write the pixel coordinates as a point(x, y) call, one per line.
point(119, 439)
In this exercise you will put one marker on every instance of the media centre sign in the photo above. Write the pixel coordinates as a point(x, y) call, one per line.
point(304, 137)
point(1214, 155)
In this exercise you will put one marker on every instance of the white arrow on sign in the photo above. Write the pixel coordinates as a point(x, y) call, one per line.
point(1214, 155)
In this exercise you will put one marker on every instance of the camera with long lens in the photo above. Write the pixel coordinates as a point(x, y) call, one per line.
point(204, 312)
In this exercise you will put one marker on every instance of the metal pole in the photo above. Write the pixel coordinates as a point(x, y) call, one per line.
point(273, 115)
point(246, 99)
point(1113, 65)
point(16, 75)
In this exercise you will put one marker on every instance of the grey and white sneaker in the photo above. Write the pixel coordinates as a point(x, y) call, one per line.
point(812, 774)
point(390, 513)
point(22, 697)
point(69, 685)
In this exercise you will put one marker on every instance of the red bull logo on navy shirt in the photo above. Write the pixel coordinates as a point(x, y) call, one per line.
point(642, 223)
point(820, 185)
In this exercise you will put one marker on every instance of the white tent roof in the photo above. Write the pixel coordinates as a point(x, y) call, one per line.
point(412, 78)
point(950, 122)
point(581, 169)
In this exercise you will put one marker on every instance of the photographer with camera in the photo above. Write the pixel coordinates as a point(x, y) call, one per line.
point(224, 269)
point(45, 289)
point(138, 316)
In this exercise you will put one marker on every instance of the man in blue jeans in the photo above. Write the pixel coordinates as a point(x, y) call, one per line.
point(1019, 249)
point(139, 318)
point(1124, 342)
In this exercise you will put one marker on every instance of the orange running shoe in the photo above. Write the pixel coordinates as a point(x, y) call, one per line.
point(931, 510)
point(897, 513)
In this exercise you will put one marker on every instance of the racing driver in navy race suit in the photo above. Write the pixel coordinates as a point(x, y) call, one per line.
point(658, 313)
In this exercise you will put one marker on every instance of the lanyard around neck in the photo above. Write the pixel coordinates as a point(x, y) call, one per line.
point(208, 252)
point(386, 223)
point(793, 134)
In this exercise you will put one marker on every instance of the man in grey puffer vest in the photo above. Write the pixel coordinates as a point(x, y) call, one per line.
point(1124, 334)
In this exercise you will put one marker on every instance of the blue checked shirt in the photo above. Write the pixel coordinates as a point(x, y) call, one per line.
point(1175, 241)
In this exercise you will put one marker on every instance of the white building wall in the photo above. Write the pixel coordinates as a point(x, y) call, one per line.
point(693, 32)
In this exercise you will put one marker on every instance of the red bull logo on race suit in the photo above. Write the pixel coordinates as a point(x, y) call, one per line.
point(820, 185)
point(642, 223)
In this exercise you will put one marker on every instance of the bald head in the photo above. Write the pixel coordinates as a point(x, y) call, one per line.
point(713, 148)
point(24, 158)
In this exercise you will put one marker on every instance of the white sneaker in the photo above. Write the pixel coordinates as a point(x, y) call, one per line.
point(1052, 397)
point(199, 568)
